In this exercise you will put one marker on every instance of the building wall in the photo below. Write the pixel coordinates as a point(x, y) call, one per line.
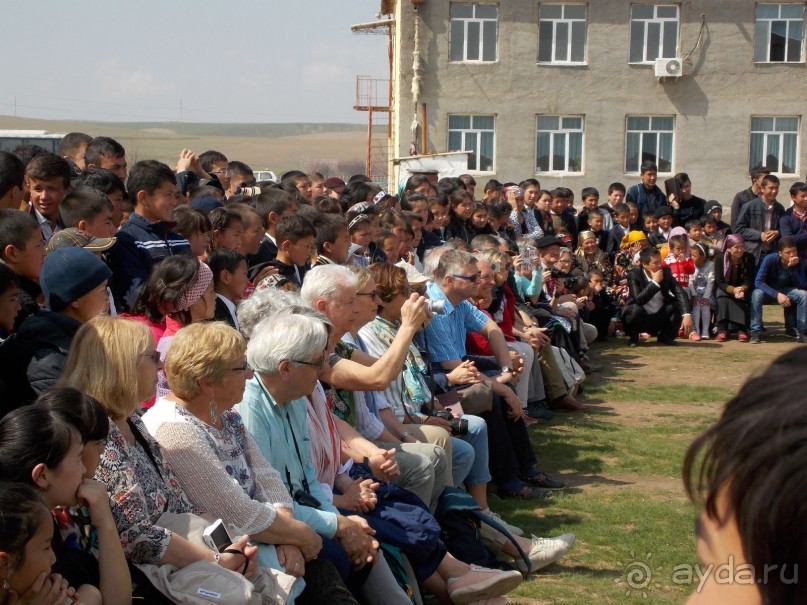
point(721, 88)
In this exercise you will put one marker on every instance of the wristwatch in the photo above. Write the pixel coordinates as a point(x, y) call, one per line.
point(506, 370)
point(406, 434)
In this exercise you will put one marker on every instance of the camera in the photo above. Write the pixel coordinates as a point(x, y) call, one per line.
point(217, 537)
point(573, 283)
point(437, 307)
point(248, 191)
point(303, 498)
point(459, 426)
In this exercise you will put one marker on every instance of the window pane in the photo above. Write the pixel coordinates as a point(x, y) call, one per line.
point(456, 122)
point(662, 123)
point(578, 41)
point(756, 153)
point(778, 40)
point(665, 152)
point(548, 122)
point(471, 145)
point(483, 122)
point(653, 40)
point(561, 41)
point(632, 153)
point(472, 45)
point(668, 12)
point(767, 11)
point(641, 11)
point(792, 11)
point(572, 123)
point(772, 152)
point(762, 124)
point(795, 35)
point(462, 10)
point(486, 153)
point(638, 123)
point(650, 147)
point(576, 152)
point(787, 124)
point(551, 11)
point(670, 39)
point(636, 42)
point(545, 41)
point(454, 141)
point(761, 33)
point(559, 155)
point(457, 41)
point(486, 11)
point(575, 11)
point(789, 153)
point(489, 41)
point(542, 152)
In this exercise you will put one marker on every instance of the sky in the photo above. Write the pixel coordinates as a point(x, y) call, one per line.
point(223, 60)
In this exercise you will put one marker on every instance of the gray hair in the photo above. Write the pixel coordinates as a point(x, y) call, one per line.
point(288, 337)
point(453, 261)
point(431, 259)
point(263, 303)
point(324, 282)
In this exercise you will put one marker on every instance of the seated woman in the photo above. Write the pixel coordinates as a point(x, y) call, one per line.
point(26, 530)
point(115, 362)
point(221, 468)
point(734, 279)
point(589, 256)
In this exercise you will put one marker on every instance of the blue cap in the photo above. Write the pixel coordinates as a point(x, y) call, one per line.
point(70, 273)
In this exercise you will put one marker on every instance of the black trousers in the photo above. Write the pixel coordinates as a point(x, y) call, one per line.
point(663, 324)
point(509, 448)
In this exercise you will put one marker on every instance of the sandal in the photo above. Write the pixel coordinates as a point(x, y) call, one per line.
point(543, 480)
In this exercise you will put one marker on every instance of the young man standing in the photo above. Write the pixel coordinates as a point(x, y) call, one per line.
point(12, 176)
point(103, 152)
point(793, 224)
point(748, 195)
point(647, 195)
point(758, 222)
point(48, 180)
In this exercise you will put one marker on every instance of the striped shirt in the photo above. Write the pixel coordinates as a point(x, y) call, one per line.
point(445, 334)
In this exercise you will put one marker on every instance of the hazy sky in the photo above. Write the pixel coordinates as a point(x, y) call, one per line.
point(228, 60)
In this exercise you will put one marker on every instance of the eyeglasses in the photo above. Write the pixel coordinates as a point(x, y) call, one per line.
point(470, 278)
point(372, 294)
point(319, 364)
point(154, 356)
point(244, 368)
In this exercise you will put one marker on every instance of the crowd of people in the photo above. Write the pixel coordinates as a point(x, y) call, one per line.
point(333, 371)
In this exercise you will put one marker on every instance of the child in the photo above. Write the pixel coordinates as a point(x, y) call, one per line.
point(332, 240)
point(700, 289)
point(694, 231)
point(601, 307)
point(48, 179)
point(664, 215)
point(620, 229)
point(635, 224)
point(295, 243)
point(360, 227)
point(23, 251)
point(227, 228)
point(651, 230)
point(9, 302)
point(714, 209)
point(440, 216)
point(710, 236)
point(271, 205)
point(110, 185)
point(479, 220)
point(590, 198)
point(230, 281)
point(616, 196)
point(678, 259)
point(88, 210)
point(595, 225)
point(194, 226)
point(462, 207)
point(387, 243)
point(253, 229)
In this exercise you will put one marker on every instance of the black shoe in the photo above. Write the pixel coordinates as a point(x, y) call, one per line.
point(667, 342)
point(539, 411)
point(755, 339)
point(803, 338)
point(526, 492)
point(791, 332)
point(543, 480)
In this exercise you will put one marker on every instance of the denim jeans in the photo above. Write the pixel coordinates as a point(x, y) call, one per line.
point(473, 450)
point(797, 297)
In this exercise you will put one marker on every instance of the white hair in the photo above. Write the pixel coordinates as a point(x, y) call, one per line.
point(263, 303)
point(324, 282)
point(431, 258)
point(453, 261)
point(288, 337)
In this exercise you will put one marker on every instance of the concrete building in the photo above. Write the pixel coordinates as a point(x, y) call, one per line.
point(568, 92)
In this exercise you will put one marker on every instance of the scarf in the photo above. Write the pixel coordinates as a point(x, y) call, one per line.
point(414, 387)
point(731, 240)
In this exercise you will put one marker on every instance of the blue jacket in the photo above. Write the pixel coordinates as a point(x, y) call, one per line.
point(140, 246)
point(639, 195)
point(793, 226)
point(769, 269)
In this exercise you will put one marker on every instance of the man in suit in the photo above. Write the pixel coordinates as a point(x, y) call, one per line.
point(758, 222)
point(656, 303)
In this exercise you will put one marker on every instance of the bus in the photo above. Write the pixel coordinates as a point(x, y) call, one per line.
point(9, 139)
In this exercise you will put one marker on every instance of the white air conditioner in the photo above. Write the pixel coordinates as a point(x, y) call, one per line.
point(669, 68)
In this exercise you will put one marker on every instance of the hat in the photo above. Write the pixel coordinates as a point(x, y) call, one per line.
point(631, 238)
point(548, 240)
point(413, 276)
point(205, 203)
point(76, 238)
point(712, 205)
point(68, 274)
point(663, 211)
point(334, 183)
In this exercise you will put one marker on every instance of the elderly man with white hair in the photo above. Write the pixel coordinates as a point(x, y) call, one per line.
point(331, 289)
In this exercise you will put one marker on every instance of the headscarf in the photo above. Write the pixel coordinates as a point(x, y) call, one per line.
point(679, 231)
point(729, 242)
point(631, 238)
point(199, 287)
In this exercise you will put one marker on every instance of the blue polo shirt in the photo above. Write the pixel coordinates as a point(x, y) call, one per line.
point(445, 334)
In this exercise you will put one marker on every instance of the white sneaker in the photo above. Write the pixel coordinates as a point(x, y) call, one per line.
point(545, 551)
point(481, 583)
point(516, 531)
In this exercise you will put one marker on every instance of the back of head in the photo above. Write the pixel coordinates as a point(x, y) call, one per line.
point(12, 173)
point(101, 179)
point(263, 303)
point(83, 204)
point(485, 242)
point(273, 200)
point(293, 228)
point(102, 147)
point(23, 510)
point(15, 229)
point(325, 282)
point(224, 259)
point(328, 228)
point(72, 143)
point(167, 282)
point(27, 152)
point(88, 416)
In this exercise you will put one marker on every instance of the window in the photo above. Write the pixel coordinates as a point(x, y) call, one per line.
point(562, 33)
point(775, 143)
point(778, 33)
point(649, 138)
point(653, 32)
point(473, 32)
point(474, 134)
point(559, 144)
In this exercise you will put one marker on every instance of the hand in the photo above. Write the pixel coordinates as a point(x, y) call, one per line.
point(291, 559)
point(514, 410)
point(235, 562)
point(581, 302)
point(414, 312)
point(769, 236)
point(435, 421)
point(516, 362)
point(673, 201)
point(94, 495)
point(355, 536)
point(384, 465)
point(739, 292)
point(545, 277)
point(657, 276)
point(360, 495)
point(511, 199)
point(185, 158)
point(793, 261)
point(310, 543)
point(783, 300)
point(537, 336)
point(47, 589)
point(687, 325)
point(465, 373)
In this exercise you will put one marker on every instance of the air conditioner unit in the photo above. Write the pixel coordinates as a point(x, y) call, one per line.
point(669, 68)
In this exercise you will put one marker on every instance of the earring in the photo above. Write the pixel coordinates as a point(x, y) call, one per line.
point(213, 411)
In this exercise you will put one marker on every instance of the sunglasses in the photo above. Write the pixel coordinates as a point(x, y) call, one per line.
point(471, 278)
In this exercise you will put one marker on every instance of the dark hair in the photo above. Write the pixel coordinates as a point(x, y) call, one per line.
point(753, 456)
point(410, 198)
point(210, 157)
point(787, 241)
point(8, 279)
point(530, 183)
point(448, 185)
point(148, 176)
point(273, 200)
point(492, 185)
point(293, 228)
point(759, 170)
point(678, 240)
point(412, 217)
point(708, 218)
point(21, 505)
point(47, 166)
point(235, 167)
point(27, 152)
point(468, 180)
point(244, 211)
point(204, 191)
point(81, 410)
point(558, 192)
point(83, 204)
point(31, 435)
point(499, 209)
point(622, 208)
point(102, 146)
point(224, 259)
point(681, 178)
point(770, 178)
point(383, 235)
point(457, 197)
point(647, 166)
point(594, 271)
point(168, 281)
point(692, 223)
point(354, 226)
point(72, 142)
point(15, 229)
point(416, 180)
point(12, 172)
point(358, 191)
point(327, 205)
point(589, 192)
point(616, 187)
point(102, 179)
point(223, 218)
point(190, 221)
point(648, 253)
point(798, 187)
point(328, 227)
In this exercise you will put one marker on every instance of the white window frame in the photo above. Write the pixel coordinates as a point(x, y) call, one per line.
point(768, 140)
point(467, 133)
point(763, 26)
point(555, 134)
point(567, 21)
point(466, 22)
point(650, 130)
point(647, 23)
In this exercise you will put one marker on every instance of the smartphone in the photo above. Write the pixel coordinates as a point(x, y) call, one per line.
point(216, 536)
